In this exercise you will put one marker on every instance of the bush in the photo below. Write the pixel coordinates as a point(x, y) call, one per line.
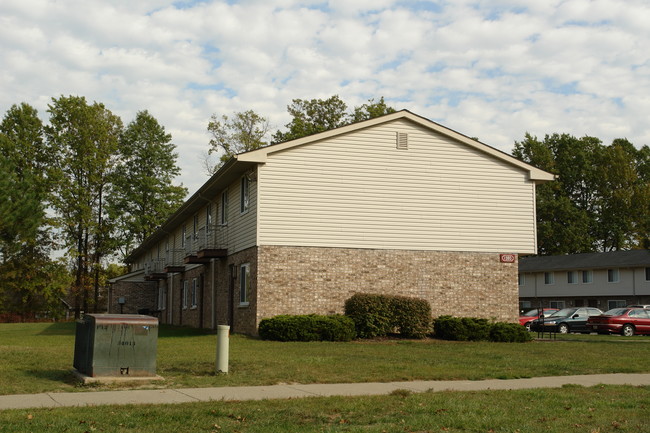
point(474, 329)
point(509, 333)
point(380, 315)
point(310, 327)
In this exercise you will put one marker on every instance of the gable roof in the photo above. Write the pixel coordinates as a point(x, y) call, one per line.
point(614, 259)
point(260, 155)
point(244, 162)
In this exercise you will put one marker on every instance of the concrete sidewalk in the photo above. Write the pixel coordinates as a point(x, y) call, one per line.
point(189, 395)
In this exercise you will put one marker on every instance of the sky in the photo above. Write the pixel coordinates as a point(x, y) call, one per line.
point(492, 69)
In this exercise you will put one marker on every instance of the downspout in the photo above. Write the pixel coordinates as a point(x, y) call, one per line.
point(213, 322)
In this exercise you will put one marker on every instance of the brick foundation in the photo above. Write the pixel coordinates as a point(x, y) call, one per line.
point(300, 280)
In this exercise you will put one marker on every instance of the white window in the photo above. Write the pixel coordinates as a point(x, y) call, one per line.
point(572, 277)
point(244, 283)
point(185, 283)
point(194, 293)
point(556, 304)
point(613, 276)
point(162, 298)
point(522, 279)
point(223, 220)
point(616, 303)
point(587, 277)
point(244, 195)
point(208, 216)
point(549, 278)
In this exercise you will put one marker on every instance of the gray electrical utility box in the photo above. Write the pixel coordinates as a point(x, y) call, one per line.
point(116, 345)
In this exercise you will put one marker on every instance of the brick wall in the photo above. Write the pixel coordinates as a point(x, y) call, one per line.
point(137, 295)
point(303, 280)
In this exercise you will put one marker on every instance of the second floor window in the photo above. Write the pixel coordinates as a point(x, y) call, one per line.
point(612, 276)
point(572, 277)
point(244, 195)
point(549, 278)
point(223, 220)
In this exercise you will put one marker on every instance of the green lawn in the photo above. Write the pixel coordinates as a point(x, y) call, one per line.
point(566, 410)
point(38, 358)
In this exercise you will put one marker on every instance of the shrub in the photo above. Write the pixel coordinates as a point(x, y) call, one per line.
point(380, 315)
point(509, 333)
point(310, 327)
point(474, 329)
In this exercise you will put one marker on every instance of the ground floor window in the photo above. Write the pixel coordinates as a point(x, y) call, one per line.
point(194, 291)
point(244, 283)
point(185, 294)
point(617, 303)
point(556, 304)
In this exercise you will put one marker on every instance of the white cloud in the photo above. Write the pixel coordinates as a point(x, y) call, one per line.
point(493, 69)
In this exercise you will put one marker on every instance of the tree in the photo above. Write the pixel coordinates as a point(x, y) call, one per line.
point(313, 116)
point(600, 200)
point(242, 132)
point(319, 115)
point(370, 110)
point(85, 139)
point(143, 195)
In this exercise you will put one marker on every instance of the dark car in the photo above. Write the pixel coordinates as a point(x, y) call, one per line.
point(526, 318)
point(626, 321)
point(566, 320)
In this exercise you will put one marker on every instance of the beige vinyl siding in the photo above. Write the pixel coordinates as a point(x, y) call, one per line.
point(242, 227)
point(358, 190)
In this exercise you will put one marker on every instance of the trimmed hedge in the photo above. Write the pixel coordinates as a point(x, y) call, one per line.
point(380, 315)
point(310, 327)
point(475, 329)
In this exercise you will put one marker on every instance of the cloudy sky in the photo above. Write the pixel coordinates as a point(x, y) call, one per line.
point(493, 69)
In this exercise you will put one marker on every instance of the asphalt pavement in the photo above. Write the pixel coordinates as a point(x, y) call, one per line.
point(285, 391)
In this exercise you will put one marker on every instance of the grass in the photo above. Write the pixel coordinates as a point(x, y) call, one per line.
point(570, 409)
point(37, 357)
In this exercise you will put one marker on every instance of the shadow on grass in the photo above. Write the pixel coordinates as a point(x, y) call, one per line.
point(59, 328)
point(58, 376)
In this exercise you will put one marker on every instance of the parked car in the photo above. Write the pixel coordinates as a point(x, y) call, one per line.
point(566, 320)
point(639, 306)
point(526, 318)
point(626, 321)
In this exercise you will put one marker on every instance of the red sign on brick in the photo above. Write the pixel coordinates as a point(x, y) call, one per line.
point(507, 258)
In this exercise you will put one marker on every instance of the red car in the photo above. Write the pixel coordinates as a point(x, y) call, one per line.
point(626, 321)
point(533, 314)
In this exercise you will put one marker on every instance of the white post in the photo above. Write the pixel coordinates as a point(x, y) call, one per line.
point(223, 335)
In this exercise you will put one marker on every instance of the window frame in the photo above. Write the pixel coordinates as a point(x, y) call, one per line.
point(185, 294)
point(223, 215)
point(549, 278)
point(244, 195)
point(244, 284)
point(572, 277)
point(193, 294)
point(616, 303)
point(613, 275)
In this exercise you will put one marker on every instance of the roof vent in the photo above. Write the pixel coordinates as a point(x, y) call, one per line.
point(402, 140)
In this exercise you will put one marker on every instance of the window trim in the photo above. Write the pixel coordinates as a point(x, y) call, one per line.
point(244, 284)
point(549, 278)
point(244, 195)
point(613, 275)
point(193, 294)
point(572, 277)
point(184, 294)
point(223, 215)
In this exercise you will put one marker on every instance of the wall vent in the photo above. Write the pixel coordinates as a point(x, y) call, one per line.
point(402, 140)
